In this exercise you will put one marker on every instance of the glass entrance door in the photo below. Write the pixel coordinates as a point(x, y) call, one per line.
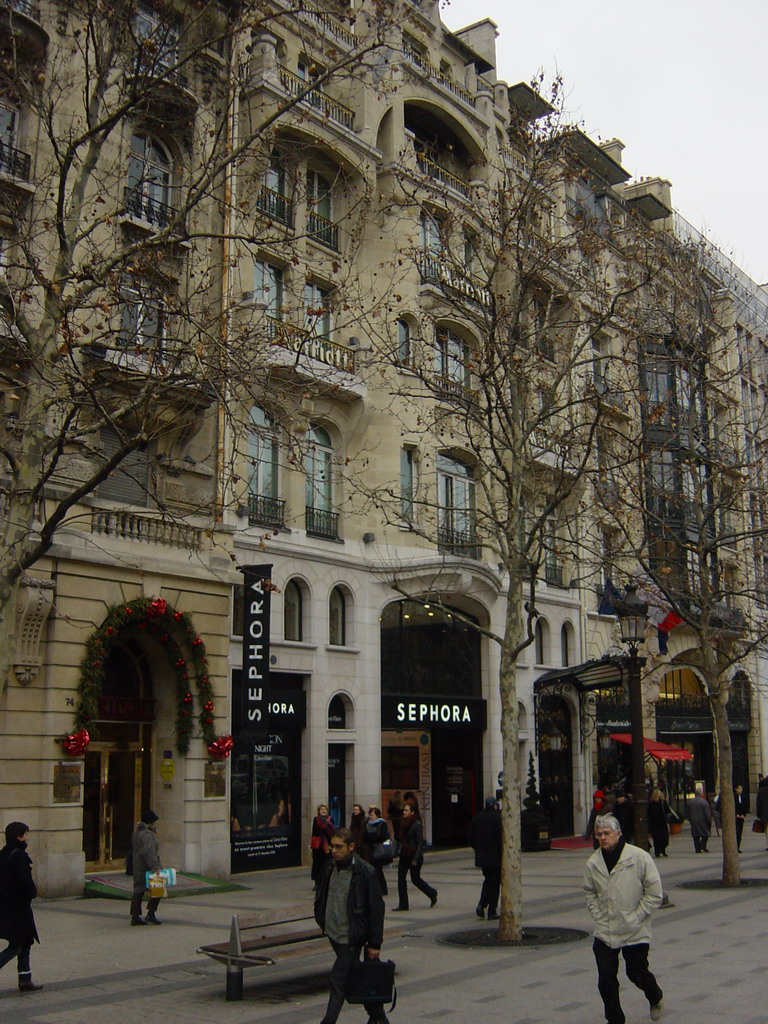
point(111, 803)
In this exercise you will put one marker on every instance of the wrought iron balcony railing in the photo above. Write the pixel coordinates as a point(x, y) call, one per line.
point(322, 230)
point(275, 205)
point(316, 98)
point(437, 76)
point(24, 7)
point(153, 211)
point(14, 162)
point(553, 574)
point(320, 522)
point(432, 169)
point(265, 511)
point(434, 270)
point(454, 541)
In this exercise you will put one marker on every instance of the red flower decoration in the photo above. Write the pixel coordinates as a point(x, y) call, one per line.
point(76, 743)
point(157, 606)
point(220, 747)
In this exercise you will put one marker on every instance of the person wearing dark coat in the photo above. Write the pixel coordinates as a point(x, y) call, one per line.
point(624, 811)
point(146, 857)
point(741, 809)
point(17, 890)
point(322, 830)
point(485, 840)
point(761, 805)
point(411, 859)
point(357, 823)
point(376, 833)
point(699, 814)
point(349, 908)
point(658, 826)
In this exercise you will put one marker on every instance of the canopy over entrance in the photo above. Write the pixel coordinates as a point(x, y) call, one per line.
point(661, 751)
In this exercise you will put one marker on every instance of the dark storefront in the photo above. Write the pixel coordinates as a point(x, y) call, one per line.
point(433, 717)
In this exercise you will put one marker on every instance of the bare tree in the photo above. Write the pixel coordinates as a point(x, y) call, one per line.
point(165, 145)
point(683, 479)
point(519, 282)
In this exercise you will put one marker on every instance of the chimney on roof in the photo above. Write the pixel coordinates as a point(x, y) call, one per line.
point(613, 148)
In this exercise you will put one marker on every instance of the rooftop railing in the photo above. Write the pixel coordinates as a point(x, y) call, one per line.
point(437, 76)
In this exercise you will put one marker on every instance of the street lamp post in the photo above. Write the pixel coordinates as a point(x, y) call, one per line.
point(632, 615)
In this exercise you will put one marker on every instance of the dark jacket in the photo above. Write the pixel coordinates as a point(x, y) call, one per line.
point(365, 907)
point(485, 838)
point(17, 890)
point(146, 854)
point(412, 840)
point(761, 802)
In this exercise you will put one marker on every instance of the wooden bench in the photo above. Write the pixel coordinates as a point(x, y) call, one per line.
point(248, 936)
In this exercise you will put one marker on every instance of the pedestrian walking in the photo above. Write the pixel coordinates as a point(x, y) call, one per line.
point(350, 910)
point(322, 830)
point(485, 840)
point(624, 810)
point(741, 809)
point(761, 805)
point(623, 888)
point(395, 812)
point(17, 890)
point(357, 822)
point(699, 813)
point(374, 850)
point(658, 824)
point(411, 859)
point(145, 850)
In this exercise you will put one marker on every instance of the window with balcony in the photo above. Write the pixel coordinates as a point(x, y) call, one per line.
point(337, 618)
point(452, 357)
point(321, 520)
point(293, 611)
point(147, 194)
point(274, 196)
point(12, 161)
point(320, 224)
point(143, 318)
point(432, 236)
point(268, 288)
point(318, 321)
point(456, 519)
point(264, 505)
point(130, 482)
point(553, 569)
point(158, 39)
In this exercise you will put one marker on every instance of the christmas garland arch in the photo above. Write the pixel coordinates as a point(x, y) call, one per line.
point(155, 617)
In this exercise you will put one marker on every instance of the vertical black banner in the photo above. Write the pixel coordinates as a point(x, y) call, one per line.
point(253, 700)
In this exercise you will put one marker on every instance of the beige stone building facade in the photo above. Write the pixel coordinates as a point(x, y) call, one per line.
point(284, 360)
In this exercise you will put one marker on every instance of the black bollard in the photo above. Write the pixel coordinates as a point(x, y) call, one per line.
point(234, 983)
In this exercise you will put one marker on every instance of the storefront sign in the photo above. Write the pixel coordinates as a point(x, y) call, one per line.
point(126, 709)
point(254, 681)
point(428, 712)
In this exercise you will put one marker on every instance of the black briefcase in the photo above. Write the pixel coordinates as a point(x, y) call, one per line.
point(372, 981)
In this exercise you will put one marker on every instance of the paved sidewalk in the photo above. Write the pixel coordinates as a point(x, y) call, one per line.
point(708, 953)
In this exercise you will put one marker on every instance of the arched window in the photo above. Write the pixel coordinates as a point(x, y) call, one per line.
point(403, 343)
point(337, 713)
point(274, 199)
point(456, 507)
point(321, 520)
point(320, 224)
point(293, 626)
point(264, 506)
point(337, 618)
point(149, 181)
point(566, 645)
point(541, 641)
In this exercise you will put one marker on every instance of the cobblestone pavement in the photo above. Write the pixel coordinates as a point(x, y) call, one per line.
point(708, 953)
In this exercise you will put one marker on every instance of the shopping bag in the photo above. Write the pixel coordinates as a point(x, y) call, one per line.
point(157, 885)
point(372, 981)
point(169, 874)
point(758, 826)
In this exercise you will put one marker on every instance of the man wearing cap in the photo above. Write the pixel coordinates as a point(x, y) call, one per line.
point(485, 840)
point(623, 887)
point(146, 857)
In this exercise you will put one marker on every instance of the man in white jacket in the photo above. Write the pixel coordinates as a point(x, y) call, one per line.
point(623, 887)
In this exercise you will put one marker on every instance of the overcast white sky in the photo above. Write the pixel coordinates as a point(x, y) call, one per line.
point(683, 83)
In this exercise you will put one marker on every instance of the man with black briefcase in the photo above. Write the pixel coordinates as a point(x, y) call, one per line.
point(350, 910)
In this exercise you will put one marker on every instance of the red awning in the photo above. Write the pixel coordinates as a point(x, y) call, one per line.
point(662, 751)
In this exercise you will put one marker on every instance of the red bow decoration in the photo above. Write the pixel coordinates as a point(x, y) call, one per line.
point(221, 747)
point(77, 742)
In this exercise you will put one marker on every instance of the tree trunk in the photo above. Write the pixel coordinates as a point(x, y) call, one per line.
point(511, 918)
point(731, 866)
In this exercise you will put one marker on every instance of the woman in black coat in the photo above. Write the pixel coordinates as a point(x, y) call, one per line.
point(17, 890)
point(411, 859)
point(658, 811)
